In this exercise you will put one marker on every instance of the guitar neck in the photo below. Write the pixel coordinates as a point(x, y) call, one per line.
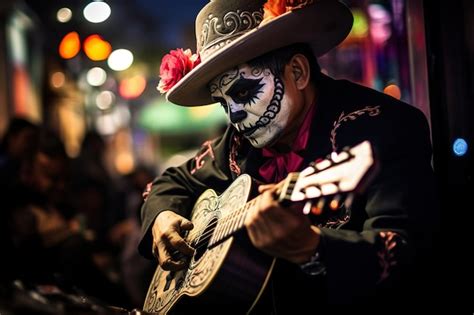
point(231, 223)
point(340, 174)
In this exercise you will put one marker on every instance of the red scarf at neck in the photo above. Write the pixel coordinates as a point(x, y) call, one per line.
point(278, 165)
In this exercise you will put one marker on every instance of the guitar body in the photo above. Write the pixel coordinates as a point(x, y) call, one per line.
point(226, 270)
point(231, 273)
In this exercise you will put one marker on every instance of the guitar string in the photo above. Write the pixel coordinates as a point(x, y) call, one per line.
point(212, 227)
point(210, 232)
point(227, 217)
point(206, 228)
point(203, 240)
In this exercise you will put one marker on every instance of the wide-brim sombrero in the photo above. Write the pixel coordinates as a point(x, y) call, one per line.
point(323, 24)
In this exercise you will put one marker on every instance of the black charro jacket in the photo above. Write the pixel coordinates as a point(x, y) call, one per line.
point(371, 253)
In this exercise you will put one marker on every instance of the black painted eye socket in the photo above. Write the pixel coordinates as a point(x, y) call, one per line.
point(245, 91)
point(223, 103)
point(243, 94)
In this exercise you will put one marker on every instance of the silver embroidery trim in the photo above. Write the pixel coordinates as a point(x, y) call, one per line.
point(233, 25)
point(370, 110)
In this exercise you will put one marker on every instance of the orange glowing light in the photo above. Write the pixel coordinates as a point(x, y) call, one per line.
point(70, 45)
point(124, 162)
point(21, 88)
point(58, 79)
point(316, 210)
point(96, 48)
point(393, 90)
point(132, 87)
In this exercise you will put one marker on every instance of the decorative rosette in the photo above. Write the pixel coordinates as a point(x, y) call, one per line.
point(274, 8)
point(174, 66)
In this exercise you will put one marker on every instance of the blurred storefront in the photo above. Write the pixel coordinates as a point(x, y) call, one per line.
point(385, 50)
point(21, 60)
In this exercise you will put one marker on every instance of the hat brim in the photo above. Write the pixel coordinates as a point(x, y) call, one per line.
point(323, 25)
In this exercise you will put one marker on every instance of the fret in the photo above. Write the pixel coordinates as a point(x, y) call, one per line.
point(235, 220)
point(222, 222)
point(243, 212)
point(228, 223)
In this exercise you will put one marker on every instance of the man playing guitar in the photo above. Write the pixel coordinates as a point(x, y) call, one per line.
point(259, 61)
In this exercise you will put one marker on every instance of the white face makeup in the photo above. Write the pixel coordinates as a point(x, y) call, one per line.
point(255, 103)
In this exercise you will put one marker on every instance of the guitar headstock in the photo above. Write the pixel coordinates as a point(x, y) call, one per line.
point(343, 173)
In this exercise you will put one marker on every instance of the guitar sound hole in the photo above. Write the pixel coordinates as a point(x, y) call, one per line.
point(202, 242)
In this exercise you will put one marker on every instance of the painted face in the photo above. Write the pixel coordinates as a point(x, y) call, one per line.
point(254, 101)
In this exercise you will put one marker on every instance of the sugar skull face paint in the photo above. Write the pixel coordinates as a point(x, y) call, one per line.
point(254, 101)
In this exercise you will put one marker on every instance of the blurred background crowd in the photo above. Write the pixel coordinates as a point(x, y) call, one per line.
point(68, 221)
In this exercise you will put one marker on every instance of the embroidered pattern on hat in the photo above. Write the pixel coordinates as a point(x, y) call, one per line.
point(216, 33)
point(369, 110)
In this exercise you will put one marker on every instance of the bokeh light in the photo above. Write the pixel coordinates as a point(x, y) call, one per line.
point(64, 15)
point(133, 87)
point(58, 79)
point(380, 28)
point(360, 28)
point(393, 90)
point(120, 59)
point(96, 76)
point(460, 147)
point(97, 12)
point(96, 48)
point(104, 100)
point(70, 45)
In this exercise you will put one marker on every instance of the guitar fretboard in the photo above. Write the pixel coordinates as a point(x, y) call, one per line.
point(344, 172)
point(231, 223)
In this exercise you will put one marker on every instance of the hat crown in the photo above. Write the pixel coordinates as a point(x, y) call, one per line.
point(222, 21)
point(232, 32)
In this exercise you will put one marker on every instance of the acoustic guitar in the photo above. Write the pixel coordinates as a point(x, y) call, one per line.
point(226, 269)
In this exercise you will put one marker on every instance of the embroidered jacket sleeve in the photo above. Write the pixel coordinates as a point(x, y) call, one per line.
point(178, 187)
point(396, 209)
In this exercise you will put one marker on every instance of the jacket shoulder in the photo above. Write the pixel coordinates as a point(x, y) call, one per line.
point(388, 123)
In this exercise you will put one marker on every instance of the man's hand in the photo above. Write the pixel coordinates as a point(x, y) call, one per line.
point(281, 232)
point(168, 243)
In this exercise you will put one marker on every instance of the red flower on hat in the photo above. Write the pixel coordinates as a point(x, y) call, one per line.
point(174, 66)
point(274, 8)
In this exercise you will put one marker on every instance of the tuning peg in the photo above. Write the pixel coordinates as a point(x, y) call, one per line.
point(317, 209)
point(307, 207)
point(348, 201)
point(321, 165)
point(339, 157)
point(335, 202)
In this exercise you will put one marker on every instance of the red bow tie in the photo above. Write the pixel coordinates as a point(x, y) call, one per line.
point(279, 165)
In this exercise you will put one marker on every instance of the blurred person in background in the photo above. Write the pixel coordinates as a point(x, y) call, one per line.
point(19, 142)
point(46, 246)
point(135, 269)
point(98, 201)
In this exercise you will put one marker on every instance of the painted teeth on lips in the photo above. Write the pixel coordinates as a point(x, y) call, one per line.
point(249, 131)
